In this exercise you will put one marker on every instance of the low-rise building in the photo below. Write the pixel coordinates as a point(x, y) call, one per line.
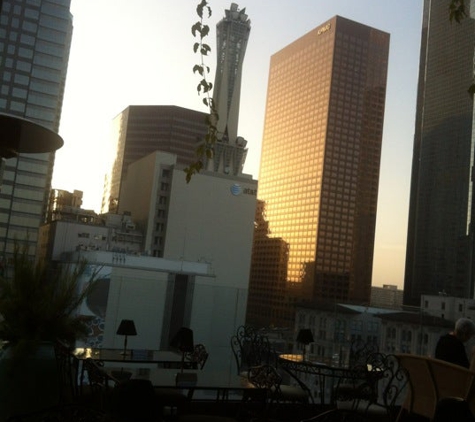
point(448, 307)
point(387, 296)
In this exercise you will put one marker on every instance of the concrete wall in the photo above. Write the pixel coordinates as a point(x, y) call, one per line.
point(138, 295)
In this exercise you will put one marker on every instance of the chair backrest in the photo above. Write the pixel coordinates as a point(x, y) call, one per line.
point(198, 357)
point(251, 348)
point(431, 380)
point(391, 381)
point(236, 349)
point(98, 379)
point(360, 351)
point(264, 376)
point(68, 372)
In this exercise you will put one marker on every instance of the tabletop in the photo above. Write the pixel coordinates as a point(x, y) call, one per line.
point(312, 375)
point(299, 359)
point(198, 379)
point(164, 357)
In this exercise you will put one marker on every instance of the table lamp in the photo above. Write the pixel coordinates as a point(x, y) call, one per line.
point(126, 328)
point(304, 337)
point(183, 341)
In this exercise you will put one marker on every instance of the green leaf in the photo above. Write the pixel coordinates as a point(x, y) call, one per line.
point(204, 31)
point(201, 6)
point(196, 28)
point(198, 68)
point(457, 10)
point(196, 46)
point(204, 85)
point(205, 49)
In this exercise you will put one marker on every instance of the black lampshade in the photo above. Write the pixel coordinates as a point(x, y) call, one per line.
point(127, 328)
point(305, 336)
point(183, 340)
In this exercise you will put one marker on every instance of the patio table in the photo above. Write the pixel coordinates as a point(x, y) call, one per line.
point(222, 382)
point(325, 377)
point(165, 358)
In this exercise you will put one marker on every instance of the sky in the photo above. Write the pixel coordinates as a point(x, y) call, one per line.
point(141, 53)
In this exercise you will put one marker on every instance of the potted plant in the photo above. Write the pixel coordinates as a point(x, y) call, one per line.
point(38, 306)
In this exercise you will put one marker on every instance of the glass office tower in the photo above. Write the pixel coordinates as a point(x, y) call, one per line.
point(439, 255)
point(319, 175)
point(35, 39)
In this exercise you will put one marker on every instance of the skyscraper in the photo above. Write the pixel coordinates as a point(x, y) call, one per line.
point(319, 175)
point(35, 39)
point(232, 36)
point(141, 130)
point(439, 255)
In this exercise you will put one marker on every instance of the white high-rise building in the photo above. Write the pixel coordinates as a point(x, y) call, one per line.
point(209, 220)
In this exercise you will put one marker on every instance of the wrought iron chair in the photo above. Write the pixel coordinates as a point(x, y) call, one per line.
point(177, 401)
point(251, 348)
point(96, 384)
point(375, 396)
point(270, 390)
point(197, 358)
point(68, 371)
point(360, 352)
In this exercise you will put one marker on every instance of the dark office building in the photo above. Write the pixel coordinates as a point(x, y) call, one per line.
point(319, 175)
point(35, 39)
point(141, 130)
point(439, 256)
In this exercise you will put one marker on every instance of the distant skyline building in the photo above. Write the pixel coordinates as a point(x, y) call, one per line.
point(319, 174)
point(439, 253)
point(232, 36)
point(35, 40)
point(387, 296)
point(140, 130)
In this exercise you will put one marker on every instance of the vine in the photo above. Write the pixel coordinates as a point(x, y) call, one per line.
point(458, 12)
point(200, 31)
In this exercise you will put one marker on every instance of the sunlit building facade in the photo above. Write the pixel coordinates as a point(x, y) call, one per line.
point(319, 174)
point(35, 39)
point(439, 253)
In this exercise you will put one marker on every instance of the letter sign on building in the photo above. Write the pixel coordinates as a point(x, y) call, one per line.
point(324, 28)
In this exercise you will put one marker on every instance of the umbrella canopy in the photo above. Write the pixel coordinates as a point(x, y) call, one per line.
point(18, 135)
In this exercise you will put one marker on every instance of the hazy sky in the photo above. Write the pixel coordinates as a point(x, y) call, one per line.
point(140, 52)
